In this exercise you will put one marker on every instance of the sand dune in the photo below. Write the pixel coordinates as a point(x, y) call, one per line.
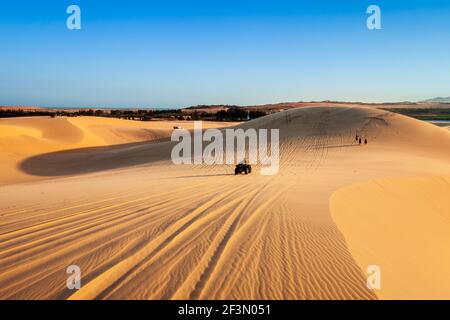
point(21, 138)
point(142, 228)
point(402, 225)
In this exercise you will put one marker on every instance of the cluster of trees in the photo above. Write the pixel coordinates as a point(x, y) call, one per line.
point(11, 113)
point(6, 113)
point(238, 114)
point(429, 114)
point(147, 114)
point(231, 114)
point(142, 115)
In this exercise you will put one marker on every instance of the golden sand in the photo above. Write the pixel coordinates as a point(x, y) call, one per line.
point(140, 227)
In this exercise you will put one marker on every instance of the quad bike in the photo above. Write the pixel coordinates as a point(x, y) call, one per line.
point(243, 167)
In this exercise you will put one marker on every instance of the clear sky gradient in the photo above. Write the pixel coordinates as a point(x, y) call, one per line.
point(174, 53)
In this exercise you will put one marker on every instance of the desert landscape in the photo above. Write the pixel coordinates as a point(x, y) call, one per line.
point(104, 194)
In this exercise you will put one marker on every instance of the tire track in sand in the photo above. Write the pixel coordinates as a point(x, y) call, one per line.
point(196, 281)
point(113, 276)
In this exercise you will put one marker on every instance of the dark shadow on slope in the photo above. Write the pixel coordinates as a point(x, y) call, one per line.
point(96, 159)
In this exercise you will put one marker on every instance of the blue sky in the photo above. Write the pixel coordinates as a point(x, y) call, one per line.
point(173, 53)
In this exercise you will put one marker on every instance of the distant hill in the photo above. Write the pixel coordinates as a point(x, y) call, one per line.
point(439, 100)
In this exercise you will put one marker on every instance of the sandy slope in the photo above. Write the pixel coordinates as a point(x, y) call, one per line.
point(401, 225)
point(21, 138)
point(141, 227)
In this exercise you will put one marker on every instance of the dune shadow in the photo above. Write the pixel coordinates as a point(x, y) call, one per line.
point(96, 159)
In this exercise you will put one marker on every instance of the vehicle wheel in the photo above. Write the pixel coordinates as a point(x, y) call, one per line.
point(236, 171)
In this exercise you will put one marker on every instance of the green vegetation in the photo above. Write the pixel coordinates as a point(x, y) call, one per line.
point(231, 114)
point(238, 114)
point(6, 113)
point(424, 114)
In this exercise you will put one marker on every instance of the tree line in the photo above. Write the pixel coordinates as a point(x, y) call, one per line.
point(231, 114)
